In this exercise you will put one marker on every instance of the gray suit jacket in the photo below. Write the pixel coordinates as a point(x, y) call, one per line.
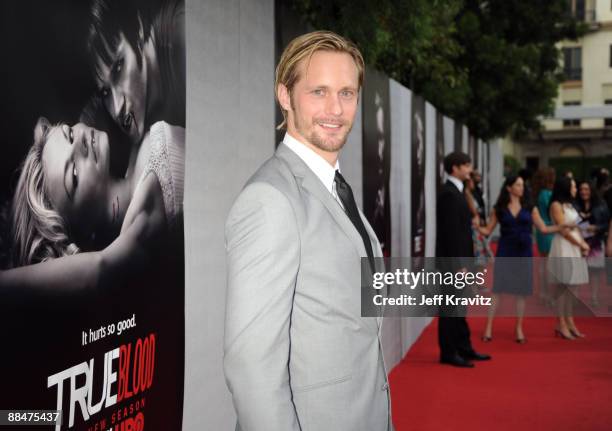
point(298, 355)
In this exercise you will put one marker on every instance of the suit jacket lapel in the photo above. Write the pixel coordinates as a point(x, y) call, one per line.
point(379, 266)
point(453, 187)
point(373, 238)
point(312, 183)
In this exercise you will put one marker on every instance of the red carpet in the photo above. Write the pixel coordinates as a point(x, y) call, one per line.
point(546, 384)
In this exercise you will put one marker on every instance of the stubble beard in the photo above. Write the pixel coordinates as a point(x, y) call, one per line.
point(332, 145)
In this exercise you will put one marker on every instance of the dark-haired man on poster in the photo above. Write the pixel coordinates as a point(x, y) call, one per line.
point(137, 51)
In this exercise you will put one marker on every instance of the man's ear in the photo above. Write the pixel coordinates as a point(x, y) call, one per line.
point(284, 98)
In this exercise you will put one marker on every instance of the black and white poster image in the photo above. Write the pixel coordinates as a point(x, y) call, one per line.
point(377, 156)
point(91, 211)
point(439, 150)
point(418, 176)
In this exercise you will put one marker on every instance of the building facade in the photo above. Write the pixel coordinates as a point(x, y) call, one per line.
point(579, 135)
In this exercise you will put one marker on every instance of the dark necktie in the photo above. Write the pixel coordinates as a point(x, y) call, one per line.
point(348, 200)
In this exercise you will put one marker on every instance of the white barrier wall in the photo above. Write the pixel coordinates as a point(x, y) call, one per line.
point(431, 172)
point(399, 183)
point(496, 170)
point(449, 135)
point(481, 158)
point(400, 103)
point(230, 132)
point(351, 162)
point(401, 333)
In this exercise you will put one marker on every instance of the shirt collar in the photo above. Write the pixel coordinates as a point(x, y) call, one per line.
point(317, 164)
point(457, 182)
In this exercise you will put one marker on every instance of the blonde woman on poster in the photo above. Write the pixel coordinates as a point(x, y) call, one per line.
point(66, 205)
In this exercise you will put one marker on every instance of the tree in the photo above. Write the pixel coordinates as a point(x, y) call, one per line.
point(493, 65)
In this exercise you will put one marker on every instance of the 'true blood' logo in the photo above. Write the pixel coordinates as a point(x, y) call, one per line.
point(135, 375)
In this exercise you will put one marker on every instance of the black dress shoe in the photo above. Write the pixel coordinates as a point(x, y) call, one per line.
point(475, 356)
point(457, 361)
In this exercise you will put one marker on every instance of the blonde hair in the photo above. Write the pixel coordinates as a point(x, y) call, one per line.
point(39, 233)
point(303, 47)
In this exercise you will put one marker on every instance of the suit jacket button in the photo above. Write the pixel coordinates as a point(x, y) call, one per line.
point(385, 386)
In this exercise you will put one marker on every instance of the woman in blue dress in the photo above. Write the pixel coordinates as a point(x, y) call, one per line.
point(513, 274)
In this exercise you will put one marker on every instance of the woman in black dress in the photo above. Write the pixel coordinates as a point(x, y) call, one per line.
point(594, 218)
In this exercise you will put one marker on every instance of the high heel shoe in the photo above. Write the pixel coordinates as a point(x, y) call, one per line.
point(486, 339)
point(576, 333)
point(560, 334)
point(521, 340)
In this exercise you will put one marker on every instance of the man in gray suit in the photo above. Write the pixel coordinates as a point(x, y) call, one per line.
point(298, 354)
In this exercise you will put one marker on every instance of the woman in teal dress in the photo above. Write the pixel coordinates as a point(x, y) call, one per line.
point(543, 182)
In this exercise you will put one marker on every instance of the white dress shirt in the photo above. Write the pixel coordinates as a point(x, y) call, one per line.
point(457, 182)
point(317, 164)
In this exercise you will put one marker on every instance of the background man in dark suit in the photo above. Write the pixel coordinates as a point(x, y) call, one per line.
point(454, 249)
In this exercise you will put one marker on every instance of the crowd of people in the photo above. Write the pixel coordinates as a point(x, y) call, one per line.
point(571, 221)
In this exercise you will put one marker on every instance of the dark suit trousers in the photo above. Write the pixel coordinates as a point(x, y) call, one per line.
point(453, 330)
